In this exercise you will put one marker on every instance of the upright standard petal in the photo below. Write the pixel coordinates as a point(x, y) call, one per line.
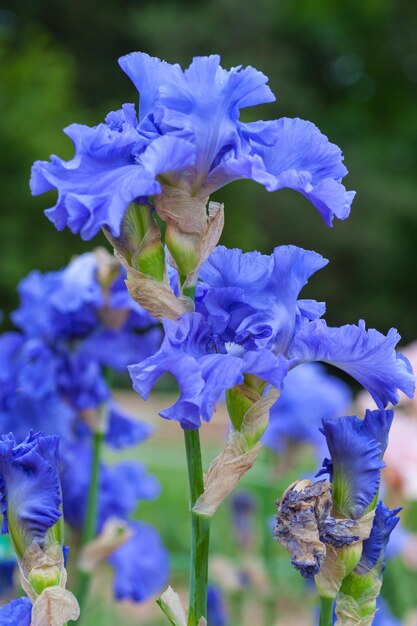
point(367, 355)
point(30, 488)
point(204, 102)
point(148, 74)
point(356, 460)
point(303, 159)
point(140, 566)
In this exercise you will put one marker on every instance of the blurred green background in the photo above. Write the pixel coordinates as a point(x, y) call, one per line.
point(350, 67)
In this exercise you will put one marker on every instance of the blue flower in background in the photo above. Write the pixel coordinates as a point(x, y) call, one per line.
point(16, 613)
point(123, 431)
point(356, 448)
point(243, 506)
point(121, 486)
point(310, 395)
point(74, 302)
point(30, 489)
point(188, 137)
point(7, 569)
point(216, 607)
point(141, 566)
point(49, 414)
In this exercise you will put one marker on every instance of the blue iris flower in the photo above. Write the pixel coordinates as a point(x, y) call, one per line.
point(356, 448)
point(204, 365)
point(30, 490)
point(254, 297)
point(189, 136)
point(16, 613)
point(141, 565)
point(309, 395)
point(250, 320)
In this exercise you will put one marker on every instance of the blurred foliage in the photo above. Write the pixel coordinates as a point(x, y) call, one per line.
point(349, 67)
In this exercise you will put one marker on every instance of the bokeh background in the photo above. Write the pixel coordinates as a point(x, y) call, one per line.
point(350, 67)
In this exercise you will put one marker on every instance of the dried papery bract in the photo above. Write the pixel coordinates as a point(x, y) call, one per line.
point(239, 455)
point(341, 561)
point(189, 226)
point(171, 605)
point(154, 296)
point(115, 533)
point(358, 612)
point(225, 472)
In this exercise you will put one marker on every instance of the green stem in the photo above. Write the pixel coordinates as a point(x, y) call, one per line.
point(90, 525)
point(326, 611)
point(200, 531)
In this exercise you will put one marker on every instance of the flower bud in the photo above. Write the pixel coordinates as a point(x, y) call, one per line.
point(41, 577)
point(140, 241)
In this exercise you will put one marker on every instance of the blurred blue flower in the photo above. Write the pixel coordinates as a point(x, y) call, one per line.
point(310, 394)
point(72, 303)
point(243, 507)
point(356, 448)
point(189, 137)
point(123, 430)
point(30, 488)
point(7, 569)
point(216, 607)
point(16, 613)
point(121, 486)
point(141, 565)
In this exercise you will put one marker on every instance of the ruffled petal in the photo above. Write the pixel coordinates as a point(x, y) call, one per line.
point(30, 487)
point(303, 159)
point(367, 355)
point(204, 102)
point(148, 74)
point(275, 323)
